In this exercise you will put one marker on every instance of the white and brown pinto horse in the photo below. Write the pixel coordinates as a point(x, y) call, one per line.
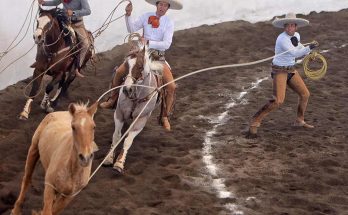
point(64, 142)
point(53, 58)
point(132, 99)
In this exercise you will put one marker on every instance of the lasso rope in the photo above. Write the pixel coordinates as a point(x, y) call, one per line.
point(10, 47)
point(314, 74)
point(153, 94)
point(96, 33)
point(106, 23)
point(179, 78)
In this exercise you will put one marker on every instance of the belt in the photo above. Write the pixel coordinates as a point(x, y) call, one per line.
point(283, 67)
point(157, 52)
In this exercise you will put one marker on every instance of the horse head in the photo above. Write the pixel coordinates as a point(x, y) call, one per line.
point(83, 126)
point(139, 67)
point(45, 23)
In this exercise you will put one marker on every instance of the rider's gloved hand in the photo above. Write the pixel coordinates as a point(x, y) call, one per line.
point(294, 41)
point(313, 44)
point(129, 9)
point(40, 2)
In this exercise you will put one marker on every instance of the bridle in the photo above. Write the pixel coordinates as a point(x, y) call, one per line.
point(135, 81)
point(44, 30)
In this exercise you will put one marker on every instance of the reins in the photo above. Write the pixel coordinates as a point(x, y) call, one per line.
point(153, 93)
point(95, 34)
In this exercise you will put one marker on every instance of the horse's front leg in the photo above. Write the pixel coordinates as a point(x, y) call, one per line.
point(60, 203)
point(55, 98)
point(134, 131)
point(115, 138)
point(49, 196)
point(37, 78)
point(46, 103)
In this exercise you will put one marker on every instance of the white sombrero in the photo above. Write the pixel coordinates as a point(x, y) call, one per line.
point(174, 4)
point(289, 18)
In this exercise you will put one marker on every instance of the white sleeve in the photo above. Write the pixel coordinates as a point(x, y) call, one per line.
point(134, 25)
point(296, 52)
point(167, 39)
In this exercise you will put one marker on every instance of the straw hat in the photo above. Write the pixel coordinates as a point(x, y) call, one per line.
point(289, 18)
point(174, 4)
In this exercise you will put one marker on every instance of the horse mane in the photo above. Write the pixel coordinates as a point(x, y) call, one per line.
point(81, 106)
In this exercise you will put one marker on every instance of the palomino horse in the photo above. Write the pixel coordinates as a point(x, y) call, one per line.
point(132, 99)
point(64, 142)
point(51, 52)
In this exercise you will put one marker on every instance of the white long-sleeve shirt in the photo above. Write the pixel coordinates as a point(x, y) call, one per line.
point(283, 44)
point(159, 38)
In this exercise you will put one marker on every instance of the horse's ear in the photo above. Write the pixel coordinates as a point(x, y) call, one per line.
point(93, 109)
point(72, 108)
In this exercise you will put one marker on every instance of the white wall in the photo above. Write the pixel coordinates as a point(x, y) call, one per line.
point(195, 13)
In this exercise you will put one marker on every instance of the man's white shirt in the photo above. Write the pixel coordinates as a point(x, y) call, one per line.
point(159, 38)
point(283, 43)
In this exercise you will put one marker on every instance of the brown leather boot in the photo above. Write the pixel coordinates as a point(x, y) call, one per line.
point(111, 102)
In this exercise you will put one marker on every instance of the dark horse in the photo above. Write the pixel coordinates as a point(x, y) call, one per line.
point(55, 58)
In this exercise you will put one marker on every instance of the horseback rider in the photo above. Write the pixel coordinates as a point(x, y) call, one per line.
point(158, 34)
point(74, 10)
point(284, 73)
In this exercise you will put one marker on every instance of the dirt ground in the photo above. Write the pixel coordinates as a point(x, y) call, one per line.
point(285, 170)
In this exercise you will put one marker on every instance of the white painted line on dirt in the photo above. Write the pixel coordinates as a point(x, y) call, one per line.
point(218, 184)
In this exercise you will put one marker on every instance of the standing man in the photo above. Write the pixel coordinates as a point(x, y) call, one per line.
point(158, 32)
point(75, 9)
point(284, 72)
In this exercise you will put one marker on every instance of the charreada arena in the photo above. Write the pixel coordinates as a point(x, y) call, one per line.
point(220, 107)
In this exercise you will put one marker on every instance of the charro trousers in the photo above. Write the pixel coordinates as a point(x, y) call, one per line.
point(83, 40)
point(280, 81)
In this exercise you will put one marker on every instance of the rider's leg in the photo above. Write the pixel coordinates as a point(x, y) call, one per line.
point(83, 42)
point(169, 99)
point(279, 89)
point(67, 35)
point(297, 84)
point(118, 76)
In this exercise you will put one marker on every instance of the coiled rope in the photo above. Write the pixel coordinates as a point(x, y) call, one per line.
point(153, 93)
point(314, 74)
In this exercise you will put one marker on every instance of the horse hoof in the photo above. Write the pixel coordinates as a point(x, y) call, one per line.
point(49, 109)
point(118, 169)
point(107, 164)
point(54, 103)
point(23, 116)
